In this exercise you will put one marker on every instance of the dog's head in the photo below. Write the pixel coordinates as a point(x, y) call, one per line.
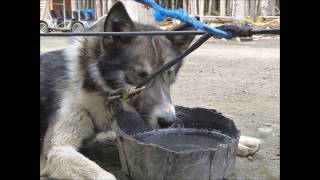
point(125, 61)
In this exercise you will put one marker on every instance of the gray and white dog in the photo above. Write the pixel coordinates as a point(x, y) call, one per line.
point(76, 81)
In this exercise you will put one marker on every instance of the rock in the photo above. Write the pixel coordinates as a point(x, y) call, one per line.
point(248, 146)
point(265, 129)
point(244, 39)
point(250, 158)
point(268, 124)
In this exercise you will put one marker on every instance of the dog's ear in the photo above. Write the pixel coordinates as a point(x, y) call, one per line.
point(118, 20)
point(182, 41)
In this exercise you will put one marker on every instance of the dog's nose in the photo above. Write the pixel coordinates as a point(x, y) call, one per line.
point(166, 121)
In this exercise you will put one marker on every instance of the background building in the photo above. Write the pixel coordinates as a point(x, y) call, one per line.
point(202, 8)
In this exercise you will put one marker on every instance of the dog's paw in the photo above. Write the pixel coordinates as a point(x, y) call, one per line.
point(102, 138)
point(248, 146)
point(106, 137)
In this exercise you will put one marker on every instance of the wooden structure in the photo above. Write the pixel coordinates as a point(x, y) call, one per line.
point(139, 13)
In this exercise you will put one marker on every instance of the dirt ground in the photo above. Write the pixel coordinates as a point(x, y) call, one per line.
point(239, 79)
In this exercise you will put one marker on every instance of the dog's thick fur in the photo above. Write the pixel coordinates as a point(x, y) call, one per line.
point(75, 83)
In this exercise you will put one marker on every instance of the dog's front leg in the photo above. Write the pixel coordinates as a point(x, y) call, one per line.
point(66, 162)
point(61, 159)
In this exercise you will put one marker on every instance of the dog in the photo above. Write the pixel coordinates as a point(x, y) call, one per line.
point(75, 83)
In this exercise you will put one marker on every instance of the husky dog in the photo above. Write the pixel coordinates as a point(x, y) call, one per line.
point(76, 81)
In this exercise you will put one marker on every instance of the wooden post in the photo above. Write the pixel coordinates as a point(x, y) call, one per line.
point(213, 5)
point(253, 8)
point(222, 7)
point(267, 7)
point(247, 8)
point(110, 3)
point(189, 7)
point(201, 9)
point(229, 7)
point(277, 8)
point(233, 8)
point(98, 8)
point(169, 5)
point(185, 5)
point(81, 4)
point(209, 7)
point(50, 5)
point(194, 7)
point(104, 7)
point(73, 5)
point(238, 8)
point(43, 5)
point(138, 12)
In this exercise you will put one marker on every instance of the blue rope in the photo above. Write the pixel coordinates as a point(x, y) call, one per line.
point(161, 13)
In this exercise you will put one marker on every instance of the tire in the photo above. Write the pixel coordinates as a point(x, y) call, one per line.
point(44, 27)
point(77, 27)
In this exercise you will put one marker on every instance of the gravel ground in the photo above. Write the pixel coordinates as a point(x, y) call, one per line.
point(239, 79)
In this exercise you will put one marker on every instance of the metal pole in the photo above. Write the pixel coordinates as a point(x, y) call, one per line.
point(267, 31)
point(154, 33)
point(133, 33)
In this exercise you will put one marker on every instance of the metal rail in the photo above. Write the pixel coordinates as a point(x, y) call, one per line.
point(151, 33)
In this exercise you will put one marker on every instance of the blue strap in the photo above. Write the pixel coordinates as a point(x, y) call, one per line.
point(161, 13)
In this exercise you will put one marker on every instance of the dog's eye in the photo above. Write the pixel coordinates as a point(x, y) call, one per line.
point(170, 72)
point(143, 75)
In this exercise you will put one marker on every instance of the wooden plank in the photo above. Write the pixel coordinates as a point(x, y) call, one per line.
point(104, 7)
point(247, 8)
point(73, 5)
point(185, 5)
point(253, 8)
point(229, 7)
point(193, 7)
point(42, 9)
point(99, 8)
point(110, 3)
point(223, 7)
point(68, 5)
point(239, 8)
point(218, 19)
point(201, 9)
point(210, 7)
point(267, 7)
point(138, 12)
